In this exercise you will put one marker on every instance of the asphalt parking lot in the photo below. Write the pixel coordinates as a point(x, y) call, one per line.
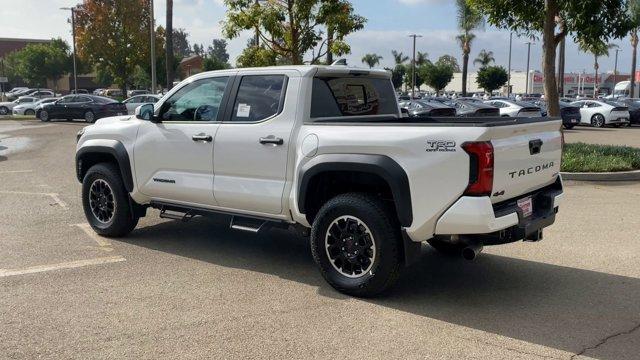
point(629, 136)
point(200, 290)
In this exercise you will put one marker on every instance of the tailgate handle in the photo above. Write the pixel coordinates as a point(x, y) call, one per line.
point(535, 146)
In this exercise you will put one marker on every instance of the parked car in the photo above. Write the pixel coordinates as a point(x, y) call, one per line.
point(634, 109)
point(570, 114)
point(133, 102)
point(87, 107)
point(98, 91)
point(7, 107)
point(29, 108)
point(112, 93)
point(79, 91)
point(601, 113)
point(514, 108)
point(474, 107)
point(42, 94)
point(22, 92)
point(131, 93)
point(367, 184)
point(417, 108)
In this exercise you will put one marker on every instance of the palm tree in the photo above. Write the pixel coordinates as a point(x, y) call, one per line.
point(421, 58)
point(484, 59)
point(169, 44)
point(634, 15)
point(399, 57)
point(371, 60)
point(597, 49)
point(469, 19)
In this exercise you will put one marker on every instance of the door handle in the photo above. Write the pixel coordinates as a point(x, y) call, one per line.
point(202, 137)
point(271, 140)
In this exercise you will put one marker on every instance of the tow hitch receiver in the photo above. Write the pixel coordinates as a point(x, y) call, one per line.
point(535, 236)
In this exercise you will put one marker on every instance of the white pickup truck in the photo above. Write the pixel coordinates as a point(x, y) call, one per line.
point(324, 148)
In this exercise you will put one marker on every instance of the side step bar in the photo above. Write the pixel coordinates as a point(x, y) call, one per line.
point(238, 221)
point(246, 224)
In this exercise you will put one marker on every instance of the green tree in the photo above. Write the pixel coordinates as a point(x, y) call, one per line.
point(256, 56)
point(399, 57)
point(408, 76)
point(422, 58)
point(181, 46)
point(371, 60)
point(290, 28)
point(484, 59)
point(597, 49)
point(397, 75)
point(218, 50)
point(400, 69)
point(491, 78)
point(587, 21)
point(37, 63)
point(436, 76)
point(449, 60)
point(469, 19)
point(114, 34)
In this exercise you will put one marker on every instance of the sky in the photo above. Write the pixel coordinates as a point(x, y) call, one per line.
point(388, 26)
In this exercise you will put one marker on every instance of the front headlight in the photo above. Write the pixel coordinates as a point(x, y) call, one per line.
point(79, 135)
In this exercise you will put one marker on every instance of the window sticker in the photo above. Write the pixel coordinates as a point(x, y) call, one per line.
point(243, 110)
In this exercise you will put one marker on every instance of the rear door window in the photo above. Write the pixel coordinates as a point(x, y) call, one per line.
point(352, 96)
point(259, 97)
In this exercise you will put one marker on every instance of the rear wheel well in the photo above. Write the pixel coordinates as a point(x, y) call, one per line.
point(326, 185)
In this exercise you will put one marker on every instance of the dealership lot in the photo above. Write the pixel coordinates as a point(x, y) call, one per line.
point(198, 289)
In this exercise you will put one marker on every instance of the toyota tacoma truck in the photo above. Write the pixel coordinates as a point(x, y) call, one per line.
point(327, 150)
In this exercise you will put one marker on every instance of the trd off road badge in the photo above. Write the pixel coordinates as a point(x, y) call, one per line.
point(441, 145)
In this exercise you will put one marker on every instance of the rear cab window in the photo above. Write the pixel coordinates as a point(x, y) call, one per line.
point(345, 98)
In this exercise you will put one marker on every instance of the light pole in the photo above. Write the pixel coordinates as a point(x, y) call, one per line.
point(73, 34)
point(528, 58)
point(153, 47)
point(509, 73)
point(615, 70)
point(413, 66)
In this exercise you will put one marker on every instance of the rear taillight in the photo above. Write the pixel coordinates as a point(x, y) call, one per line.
point(480, 169)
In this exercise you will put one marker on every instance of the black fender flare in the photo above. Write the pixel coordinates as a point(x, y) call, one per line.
point(385, 167)
point(114, 148)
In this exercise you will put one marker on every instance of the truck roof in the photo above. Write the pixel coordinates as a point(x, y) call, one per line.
point(312, 70)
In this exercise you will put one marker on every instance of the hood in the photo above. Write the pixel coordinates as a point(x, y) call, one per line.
point(7, 103)
point(113, 119)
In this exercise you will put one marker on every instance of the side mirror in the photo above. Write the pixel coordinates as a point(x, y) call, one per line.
point(145, 112)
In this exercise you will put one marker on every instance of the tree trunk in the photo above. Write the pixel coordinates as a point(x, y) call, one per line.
point(634, 45)
point(549, 45)
point(595, 81)
point(561, 58)
point(329, 43)
point(296, 56)
point(169, 45)
point(465, 68)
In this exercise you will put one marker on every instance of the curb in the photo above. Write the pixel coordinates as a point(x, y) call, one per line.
point(605, 176)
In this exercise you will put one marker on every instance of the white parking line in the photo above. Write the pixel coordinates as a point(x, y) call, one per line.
point(60, 266)
point(54, 196)
point(92, 234)
point(15, 171)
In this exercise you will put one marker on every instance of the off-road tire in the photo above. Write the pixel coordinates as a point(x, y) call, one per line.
point(385, 230)
point(123, 221)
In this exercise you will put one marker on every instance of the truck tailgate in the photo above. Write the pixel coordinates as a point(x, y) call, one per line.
point(526, 157)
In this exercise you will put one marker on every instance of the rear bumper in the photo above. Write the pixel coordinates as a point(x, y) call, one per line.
point(501, 222)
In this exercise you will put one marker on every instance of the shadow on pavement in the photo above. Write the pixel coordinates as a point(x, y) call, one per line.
point(559, 307)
